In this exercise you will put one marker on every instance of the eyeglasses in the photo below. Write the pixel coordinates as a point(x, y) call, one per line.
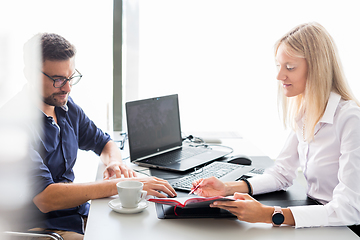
point(61, 81)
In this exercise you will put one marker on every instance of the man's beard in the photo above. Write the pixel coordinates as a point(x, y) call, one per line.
point(52, 101)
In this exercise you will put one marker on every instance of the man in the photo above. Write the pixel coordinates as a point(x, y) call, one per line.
point(65, 128)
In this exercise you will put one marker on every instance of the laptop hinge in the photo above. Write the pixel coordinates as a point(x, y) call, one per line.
point(158, 153)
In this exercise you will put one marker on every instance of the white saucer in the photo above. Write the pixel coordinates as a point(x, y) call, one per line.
point(115, 205)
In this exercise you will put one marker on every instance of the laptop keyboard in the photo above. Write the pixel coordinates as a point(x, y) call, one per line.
point(215, 169)
point(176, 155)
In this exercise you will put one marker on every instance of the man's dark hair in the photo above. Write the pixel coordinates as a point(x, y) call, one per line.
point(42, 47)
point(56, 48)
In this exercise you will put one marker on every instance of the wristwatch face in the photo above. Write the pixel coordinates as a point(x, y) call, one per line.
point(278, 218)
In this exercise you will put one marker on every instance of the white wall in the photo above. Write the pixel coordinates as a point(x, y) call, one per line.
point(218, 56)
point(85, 23)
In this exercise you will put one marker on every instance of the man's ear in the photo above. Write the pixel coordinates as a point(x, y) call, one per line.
point(27, 74)
point(32, 75)
point(34, 79)
point(32, 59)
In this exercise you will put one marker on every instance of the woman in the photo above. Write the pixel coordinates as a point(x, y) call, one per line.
point(325, 142)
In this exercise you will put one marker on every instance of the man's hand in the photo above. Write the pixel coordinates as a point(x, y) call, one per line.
point(111, 157)
point(117, 169)
point(157, 187)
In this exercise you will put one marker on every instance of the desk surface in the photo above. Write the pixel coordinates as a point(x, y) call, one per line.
point(104, 223)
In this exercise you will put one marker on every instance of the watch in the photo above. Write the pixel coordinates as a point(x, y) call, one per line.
point(277, 217)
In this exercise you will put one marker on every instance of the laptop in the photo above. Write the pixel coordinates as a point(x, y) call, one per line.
point(155, 140)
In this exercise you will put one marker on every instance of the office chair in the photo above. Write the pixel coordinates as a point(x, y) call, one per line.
point(19, 223)
point(32, 234)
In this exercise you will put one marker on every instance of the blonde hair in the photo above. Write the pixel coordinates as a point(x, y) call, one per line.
point(312, 42)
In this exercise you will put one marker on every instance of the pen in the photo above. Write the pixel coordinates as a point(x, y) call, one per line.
point(195, 188)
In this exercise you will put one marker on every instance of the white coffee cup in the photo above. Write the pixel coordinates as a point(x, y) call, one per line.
point(130, 193)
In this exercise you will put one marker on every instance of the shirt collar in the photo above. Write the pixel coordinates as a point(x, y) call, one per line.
point(331, 107)
point(329, 113)
point(64, 107)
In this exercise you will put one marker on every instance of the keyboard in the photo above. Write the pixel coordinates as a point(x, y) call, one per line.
point(214, 169)
point(176, 155)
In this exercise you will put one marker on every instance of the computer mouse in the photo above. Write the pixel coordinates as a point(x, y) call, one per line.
point(240, 159)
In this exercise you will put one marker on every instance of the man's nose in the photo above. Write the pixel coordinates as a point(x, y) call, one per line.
point(66, 87)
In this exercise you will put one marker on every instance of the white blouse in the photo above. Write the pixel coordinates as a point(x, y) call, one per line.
point(331, 166)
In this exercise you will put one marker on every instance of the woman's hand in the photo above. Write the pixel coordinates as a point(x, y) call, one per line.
point(246, 208)
point(209, 187)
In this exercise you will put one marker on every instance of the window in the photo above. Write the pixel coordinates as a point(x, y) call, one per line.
point(218, 56)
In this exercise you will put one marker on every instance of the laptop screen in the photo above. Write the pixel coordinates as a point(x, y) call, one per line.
point(153, 125)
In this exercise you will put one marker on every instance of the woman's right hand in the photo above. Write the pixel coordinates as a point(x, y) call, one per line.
point(209, 187)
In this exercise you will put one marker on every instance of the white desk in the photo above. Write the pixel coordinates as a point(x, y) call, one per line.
point(103, 223)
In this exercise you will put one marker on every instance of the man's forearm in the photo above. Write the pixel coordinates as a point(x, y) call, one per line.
point(110, 153)
point(67, 195)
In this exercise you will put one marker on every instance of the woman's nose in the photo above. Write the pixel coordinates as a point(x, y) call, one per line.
point(281, 76)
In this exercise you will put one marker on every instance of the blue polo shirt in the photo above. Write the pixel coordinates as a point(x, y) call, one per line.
point(54, 153)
